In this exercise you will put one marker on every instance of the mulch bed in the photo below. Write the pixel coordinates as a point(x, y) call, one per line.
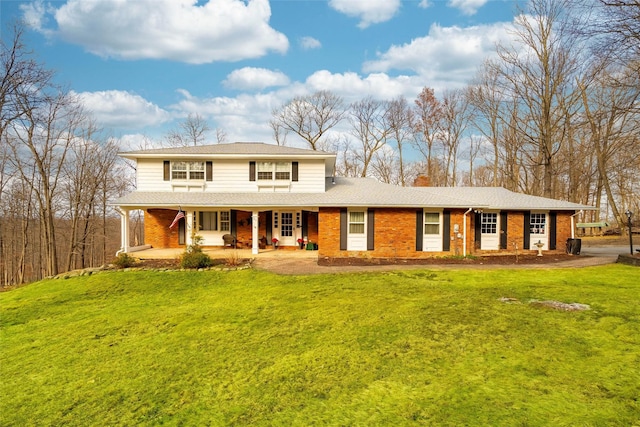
point(491, 260)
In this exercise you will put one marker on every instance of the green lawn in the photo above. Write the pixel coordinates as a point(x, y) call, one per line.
point(413, 347)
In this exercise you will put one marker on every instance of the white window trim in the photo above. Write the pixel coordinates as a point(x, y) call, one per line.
point(188, 172)
point(357, 241)
point(219, 221)
point(274, 171)
point(427, 238)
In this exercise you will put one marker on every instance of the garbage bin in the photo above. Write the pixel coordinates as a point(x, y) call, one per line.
point(577, 246)
point(574, 246)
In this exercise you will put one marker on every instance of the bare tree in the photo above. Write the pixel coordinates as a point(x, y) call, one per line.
point(21, 77)
point(538, 70)
point(399, 120)
point(221, 135)
point(487, 101)
point(427, 117)
point(86, 173)
point(614, 125)
point(41, 139)
point(279, 133)
point(311, 116)
point(192, 131)
point(456, 116)
point(368, 119)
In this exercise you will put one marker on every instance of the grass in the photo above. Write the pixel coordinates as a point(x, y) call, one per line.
point(251, 348)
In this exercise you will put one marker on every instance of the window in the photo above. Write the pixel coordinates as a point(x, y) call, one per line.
point(214, 221)
point(225, 221)
point(268, 170)
point(265, 171)
point(432, 223)
point(356, 222)
point(489, 223)
point(187, 170)
point(538, 223)
point(283, 171)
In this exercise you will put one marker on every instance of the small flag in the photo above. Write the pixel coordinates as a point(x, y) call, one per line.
point(178, 217)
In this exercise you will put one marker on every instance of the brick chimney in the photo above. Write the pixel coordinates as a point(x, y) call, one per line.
point(422, 181)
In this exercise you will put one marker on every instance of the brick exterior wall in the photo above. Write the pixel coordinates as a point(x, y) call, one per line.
point(156, 228)
point(395, 234)
point(563, 230)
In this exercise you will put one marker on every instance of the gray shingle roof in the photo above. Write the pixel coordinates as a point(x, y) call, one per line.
point(255, 149)
point(365, 192)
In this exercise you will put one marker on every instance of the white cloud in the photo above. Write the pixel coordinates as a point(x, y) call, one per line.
point(243, 118)
point(424, 4)
point(353, 87)
point(309, 43)
point(446, 53)
point(178, 30)
point(119, 109)
point(368, 11)
point(468, 7)
point(249, 78)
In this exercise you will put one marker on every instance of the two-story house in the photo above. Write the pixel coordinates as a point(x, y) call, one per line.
point(257, 191)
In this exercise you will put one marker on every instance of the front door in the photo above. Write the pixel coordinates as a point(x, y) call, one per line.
point(490, 239)
point(538, 230)
point(287, 237)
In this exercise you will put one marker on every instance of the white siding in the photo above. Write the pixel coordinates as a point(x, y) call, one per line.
point(231, 176)
point(149, 175)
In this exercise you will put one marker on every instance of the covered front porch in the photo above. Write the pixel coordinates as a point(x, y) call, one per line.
point(168, 231)
point(221, 253)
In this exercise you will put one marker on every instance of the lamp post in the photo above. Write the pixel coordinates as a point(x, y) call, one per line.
point(629, 215)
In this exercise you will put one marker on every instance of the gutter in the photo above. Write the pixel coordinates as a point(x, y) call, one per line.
point(464, 232)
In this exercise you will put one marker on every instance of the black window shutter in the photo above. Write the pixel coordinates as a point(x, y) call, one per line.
point(209, 171)
point(269, 225)
point(305, 223)
point(370, 230)
point(252, 171)
point(294, 171)
point(167, 170)
point(526, 231)
point(343, 229)
point(419, 229)
point(503, 230)
point(478, 230)
point(553, 219)
point(446, 231)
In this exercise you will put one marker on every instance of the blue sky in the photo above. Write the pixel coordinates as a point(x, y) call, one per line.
point(141, 66)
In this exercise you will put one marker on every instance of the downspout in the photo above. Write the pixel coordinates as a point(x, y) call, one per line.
point(464, 232)
point(573, 225)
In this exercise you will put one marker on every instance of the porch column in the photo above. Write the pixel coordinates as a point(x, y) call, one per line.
point(188, 227)
point(124, 230)
point(254, 232)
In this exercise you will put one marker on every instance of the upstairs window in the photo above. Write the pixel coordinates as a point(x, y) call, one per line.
point(268, 171)
point(187, 170)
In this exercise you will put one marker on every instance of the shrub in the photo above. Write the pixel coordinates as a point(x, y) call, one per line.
point(197, 259)
point(125, 260)
point(193, 257)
